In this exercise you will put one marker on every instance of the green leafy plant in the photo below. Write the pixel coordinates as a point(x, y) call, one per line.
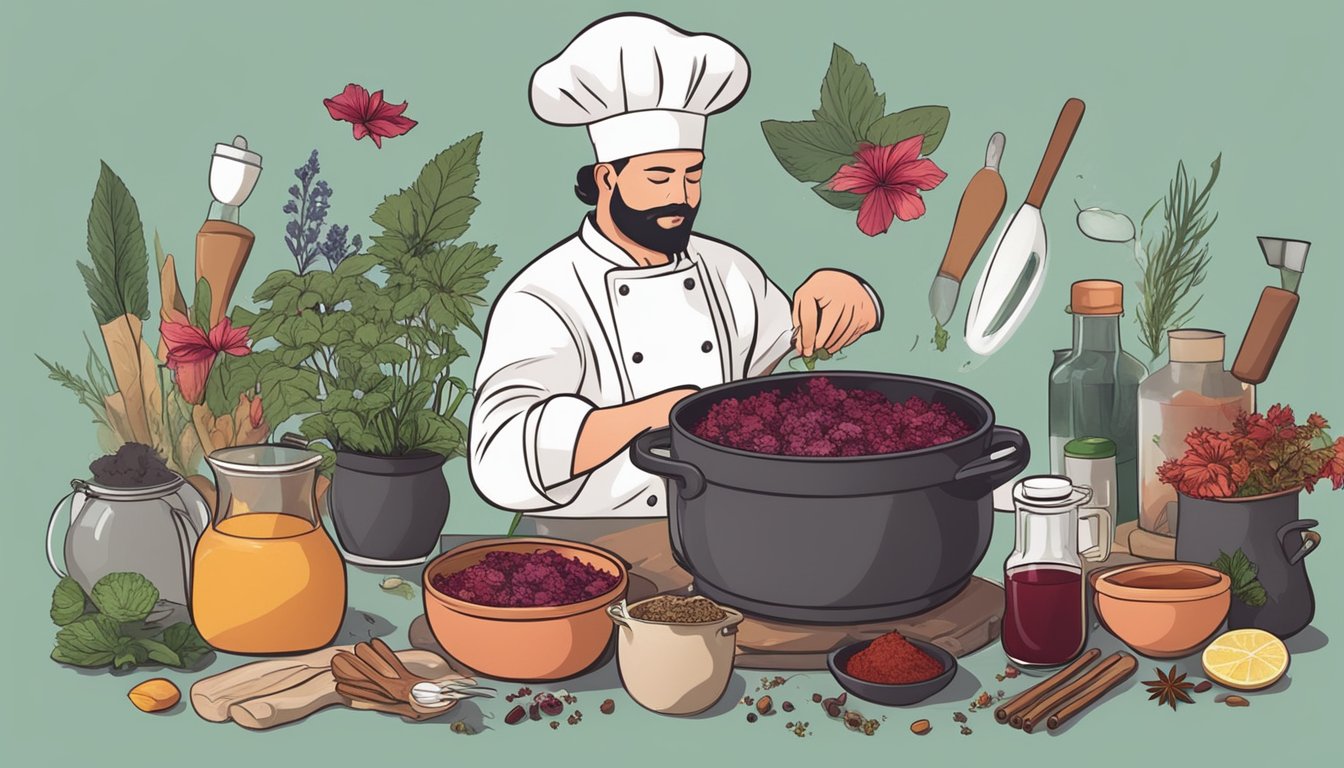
point(1239, 568)
point(109, 627)
point(851, 114)
point(1178, 262)
point(371, 361)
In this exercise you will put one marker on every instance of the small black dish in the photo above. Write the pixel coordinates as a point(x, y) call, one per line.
point(892, 695)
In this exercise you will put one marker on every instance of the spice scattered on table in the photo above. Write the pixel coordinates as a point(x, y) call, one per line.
point(893, 660)
point(920, 727)
point(764, 704)
point(397, 586)
point(965, 731)
point(555, 724)
point(787, 706)
point(820, 419)
point(772, 682)
point(515, 715)
point(959, 717)
point(155, 695)
point(461, 726)
point(816, 698)
point(751, 717)
point(1169, 688)
point(608, 706)
point(675, 609)
point(748, 700)
point(1203, 687)
point(549, 705)
point(1009, 673)
point(526, 580)
point(534, 711)
point(799, 729)
point(1236, 701)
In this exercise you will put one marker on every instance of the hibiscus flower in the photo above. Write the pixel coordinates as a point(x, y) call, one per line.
point(370, 115)
point(889, 178)
point(192, 351)
point(1210, 468)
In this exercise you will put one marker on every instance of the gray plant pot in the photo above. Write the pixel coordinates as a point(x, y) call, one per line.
point(1268, 530)
point(388, 510)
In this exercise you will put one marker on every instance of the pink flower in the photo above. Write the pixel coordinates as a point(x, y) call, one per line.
point(889, 178)
point(192, 352)
point(370, 115)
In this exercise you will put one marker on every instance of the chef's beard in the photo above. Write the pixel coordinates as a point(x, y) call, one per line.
point(644, 229)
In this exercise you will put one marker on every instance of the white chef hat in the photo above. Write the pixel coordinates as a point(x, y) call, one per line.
point(640, 85)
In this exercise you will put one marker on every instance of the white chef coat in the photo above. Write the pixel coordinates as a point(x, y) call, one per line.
point(584, 327)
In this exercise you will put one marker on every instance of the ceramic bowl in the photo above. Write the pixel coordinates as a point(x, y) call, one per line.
point(529, 644)
point(892, 695)
point(1162, 610)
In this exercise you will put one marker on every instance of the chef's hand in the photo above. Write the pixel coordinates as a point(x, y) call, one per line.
point(608, 431)
point(830, 310)
point(658, 408)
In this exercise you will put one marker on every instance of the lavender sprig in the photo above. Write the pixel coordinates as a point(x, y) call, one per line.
point(308, 204)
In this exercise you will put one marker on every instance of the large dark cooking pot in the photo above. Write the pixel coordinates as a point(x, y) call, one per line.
point(833, 539)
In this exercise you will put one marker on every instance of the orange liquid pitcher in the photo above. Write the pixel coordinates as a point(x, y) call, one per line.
point(267, 578)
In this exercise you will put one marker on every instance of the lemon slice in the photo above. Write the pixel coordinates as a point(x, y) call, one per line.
point(1246, 659)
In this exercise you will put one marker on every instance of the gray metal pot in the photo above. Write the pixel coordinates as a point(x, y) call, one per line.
point(1268, 530)
point(833, 539)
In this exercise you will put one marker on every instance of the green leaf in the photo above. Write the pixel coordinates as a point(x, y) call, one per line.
point(355, 265)
point(183, 640)
point(844, 200)
point(125, 596)
point(437, 207)
point(849, 98)
point(157, 651)
point(200, 305)
point(243, 318)
point(940, 336)
point(273, 283)
point(929, 122)
point(92, 641)
point(67, 602)
point(1239, 568)
point(288, 392)
point(809, 150)
point(230, 377)
point(118, 280)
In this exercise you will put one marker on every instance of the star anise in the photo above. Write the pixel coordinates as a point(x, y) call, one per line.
point(1169, 688)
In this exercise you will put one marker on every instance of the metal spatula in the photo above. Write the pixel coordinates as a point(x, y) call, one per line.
point(1011, 282)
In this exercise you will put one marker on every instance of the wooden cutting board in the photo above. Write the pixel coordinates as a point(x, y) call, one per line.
point(964, 624)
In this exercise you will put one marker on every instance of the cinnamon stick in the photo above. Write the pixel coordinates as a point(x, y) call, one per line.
point(1114, 676)
point(1019, 703)
point(1038, 712)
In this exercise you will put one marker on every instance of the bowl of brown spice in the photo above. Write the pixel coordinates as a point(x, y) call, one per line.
point(675, 653)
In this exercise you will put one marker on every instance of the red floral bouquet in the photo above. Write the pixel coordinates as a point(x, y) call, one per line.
point(1264, 453)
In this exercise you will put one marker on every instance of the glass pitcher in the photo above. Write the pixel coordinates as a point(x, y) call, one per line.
point(1044, 619)
point(266, 576)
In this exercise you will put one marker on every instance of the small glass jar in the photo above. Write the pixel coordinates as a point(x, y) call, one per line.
point(1192, 391)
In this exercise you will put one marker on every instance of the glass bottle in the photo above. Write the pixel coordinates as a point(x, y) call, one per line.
point(223, 244)
point(1094, 392)
point(1044, 618)
point(266, 576)
point(1192, 391)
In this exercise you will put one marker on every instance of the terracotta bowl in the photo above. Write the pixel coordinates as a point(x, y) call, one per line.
point(1162, 610)
point(527, 644)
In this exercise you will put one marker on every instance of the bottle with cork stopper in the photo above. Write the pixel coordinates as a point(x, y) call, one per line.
point(1191, 391)
point(1094, 389)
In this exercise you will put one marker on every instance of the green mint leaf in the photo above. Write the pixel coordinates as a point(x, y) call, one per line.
point(846, 201)
point(849, 97)
point(810, 150)
point(183, 640)
point(160, 652)
point(437, 207)
point(1253, 594)
point(929, 122)
point(125, 597)
point(129, 653)
point(92, 641)
point(118, 279)
point(940, 336)
point(200, 305)
point(67, 602)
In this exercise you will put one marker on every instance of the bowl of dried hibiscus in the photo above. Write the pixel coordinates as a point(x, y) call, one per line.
point(529, 609)
point(892, 670)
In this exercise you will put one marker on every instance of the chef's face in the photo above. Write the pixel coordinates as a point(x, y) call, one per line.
point(654, 198)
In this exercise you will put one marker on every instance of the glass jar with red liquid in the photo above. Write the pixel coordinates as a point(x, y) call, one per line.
point(1045, 620)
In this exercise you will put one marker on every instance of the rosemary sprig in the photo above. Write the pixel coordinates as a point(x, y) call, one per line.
point(1178, 262)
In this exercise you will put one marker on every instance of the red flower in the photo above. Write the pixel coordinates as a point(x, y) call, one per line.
point(192, 352)
point(889, 178)
point(370, 115)
point(1210, 469)
point(254, 412)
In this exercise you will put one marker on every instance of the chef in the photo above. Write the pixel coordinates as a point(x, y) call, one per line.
point(592, 343)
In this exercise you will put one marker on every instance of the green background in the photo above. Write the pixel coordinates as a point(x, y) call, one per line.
point(150, 87)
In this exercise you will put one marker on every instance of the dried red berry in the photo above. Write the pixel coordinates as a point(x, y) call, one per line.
point(515, 716)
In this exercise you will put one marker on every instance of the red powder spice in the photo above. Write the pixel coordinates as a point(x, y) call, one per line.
point(892, 660)
point(821, 419)
point(526, 580)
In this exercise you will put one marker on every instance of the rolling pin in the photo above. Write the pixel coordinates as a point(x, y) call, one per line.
point(981, 206)
point(1274, 312)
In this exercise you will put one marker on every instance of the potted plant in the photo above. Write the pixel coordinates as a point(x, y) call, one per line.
point(379, 351)
point(1237, 509)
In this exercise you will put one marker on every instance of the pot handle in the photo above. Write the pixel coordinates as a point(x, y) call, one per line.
point(996, 470)
point(690, 480)
point(1311, 540)
point(76, 497)
point(730, 628)
point(618, 614)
